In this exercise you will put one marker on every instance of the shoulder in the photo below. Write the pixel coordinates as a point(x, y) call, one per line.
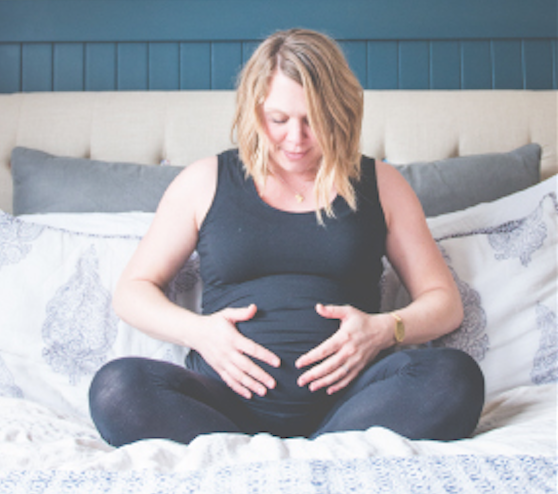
point(193, 189)
point(194, 178)
point(388, 175)
point(396, 195)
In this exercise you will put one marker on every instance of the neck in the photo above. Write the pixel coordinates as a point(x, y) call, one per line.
point(302, 177)
point(291, 187)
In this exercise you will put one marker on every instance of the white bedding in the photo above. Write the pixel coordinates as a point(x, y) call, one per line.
point(521, 422)
point(515, 444)
point(48, 444)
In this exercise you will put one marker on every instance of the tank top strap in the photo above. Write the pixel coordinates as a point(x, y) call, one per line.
point(232, 182)
point(231, 169)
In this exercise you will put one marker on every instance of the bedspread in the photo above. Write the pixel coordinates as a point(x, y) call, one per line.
point(513, 450)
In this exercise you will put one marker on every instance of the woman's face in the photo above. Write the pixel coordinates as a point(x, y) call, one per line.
point(294, 146)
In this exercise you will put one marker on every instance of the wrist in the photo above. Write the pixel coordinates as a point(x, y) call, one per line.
point(398, 326)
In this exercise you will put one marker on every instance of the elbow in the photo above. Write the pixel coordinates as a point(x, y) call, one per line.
point(457, 311)
point(118, 300)
point(459, 315)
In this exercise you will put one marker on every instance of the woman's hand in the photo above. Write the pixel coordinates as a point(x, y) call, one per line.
point(227, 351)
point(340, 358)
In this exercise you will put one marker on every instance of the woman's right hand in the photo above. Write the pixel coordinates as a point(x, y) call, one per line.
point(228, 352)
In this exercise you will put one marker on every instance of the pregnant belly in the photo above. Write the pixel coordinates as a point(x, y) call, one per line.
point(288, 325)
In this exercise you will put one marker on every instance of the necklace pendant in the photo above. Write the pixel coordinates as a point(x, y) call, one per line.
point(299, 198)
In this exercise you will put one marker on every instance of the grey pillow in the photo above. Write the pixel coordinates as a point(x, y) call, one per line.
point(44, 183)
point(457, 183)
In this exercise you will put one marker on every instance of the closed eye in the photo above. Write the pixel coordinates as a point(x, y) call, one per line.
point(278, 120)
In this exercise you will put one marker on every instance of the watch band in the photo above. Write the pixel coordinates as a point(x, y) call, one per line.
point(399, 332)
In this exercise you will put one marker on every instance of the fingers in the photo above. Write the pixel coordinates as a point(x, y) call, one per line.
point(249, 375)
point(319, 353)
point(246, 345)
point(336, 361)
point(332, 344)
point(243, 383)
point(253, 349)
point(334, 373)
point(240, 314)
point(334, 357)
point(342, 383)
point(236, 367)
point(242, 375)
point(332, 311)
point(328, 347)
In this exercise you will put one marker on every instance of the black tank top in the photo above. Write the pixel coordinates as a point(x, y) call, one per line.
point(286, 263)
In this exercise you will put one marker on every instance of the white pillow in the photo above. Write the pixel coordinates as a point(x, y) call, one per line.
point(120, 224)
point(57, 322)
point(503, 257)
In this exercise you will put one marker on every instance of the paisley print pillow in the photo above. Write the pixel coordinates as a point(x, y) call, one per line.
point(58, 325)
point(503, 256)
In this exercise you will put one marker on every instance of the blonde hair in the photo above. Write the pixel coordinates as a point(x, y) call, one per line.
point(335, 107)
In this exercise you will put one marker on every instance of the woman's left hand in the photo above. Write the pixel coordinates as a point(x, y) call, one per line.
point(340, 358)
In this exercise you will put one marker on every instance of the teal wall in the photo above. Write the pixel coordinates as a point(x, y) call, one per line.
point(97, 45)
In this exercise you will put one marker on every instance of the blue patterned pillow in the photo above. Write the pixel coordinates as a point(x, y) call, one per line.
point(59, 326)
point(503, 258)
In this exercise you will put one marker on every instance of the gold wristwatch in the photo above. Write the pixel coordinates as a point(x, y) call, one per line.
point(399, 332)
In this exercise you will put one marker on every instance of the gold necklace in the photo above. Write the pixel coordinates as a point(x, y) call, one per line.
point(299, 196)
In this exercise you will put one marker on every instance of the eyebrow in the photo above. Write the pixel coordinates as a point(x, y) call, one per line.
point(274, 110)
point(268, 111)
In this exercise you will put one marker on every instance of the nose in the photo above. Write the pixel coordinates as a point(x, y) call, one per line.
point(297, 131)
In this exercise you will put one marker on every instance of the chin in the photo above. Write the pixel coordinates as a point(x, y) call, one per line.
point(297, 161)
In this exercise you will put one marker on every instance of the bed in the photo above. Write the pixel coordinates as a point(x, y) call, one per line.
point(80, 177)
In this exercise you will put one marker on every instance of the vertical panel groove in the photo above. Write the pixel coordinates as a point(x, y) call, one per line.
point(461, 85)
point(431, 65)
point(116, 65)
point(553, 50)
point(492, 64)
point(116, 62)
point(21, 67)
point(555, 63)
point(366, 65)
point(52, 66)
point(399, 68)
point(84, 68)
point(148, 56)
point(211, 55)
point(180, 67)
point(523, 65)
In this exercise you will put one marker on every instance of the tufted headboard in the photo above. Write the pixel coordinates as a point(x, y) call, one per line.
point(182, 126)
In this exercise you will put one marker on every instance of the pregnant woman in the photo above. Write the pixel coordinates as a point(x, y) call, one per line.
point(291, 228)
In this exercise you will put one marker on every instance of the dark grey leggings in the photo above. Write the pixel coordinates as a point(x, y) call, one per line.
point(420, 394)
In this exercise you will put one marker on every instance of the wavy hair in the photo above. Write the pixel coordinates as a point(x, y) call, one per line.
point(335, 108)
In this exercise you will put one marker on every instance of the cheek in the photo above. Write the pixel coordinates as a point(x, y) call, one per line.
point(275, 135)
point(314, 140)
point(315, 143)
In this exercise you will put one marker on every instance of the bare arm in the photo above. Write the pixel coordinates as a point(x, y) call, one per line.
point(436, 307)
point(169, 242)
point(139, 298)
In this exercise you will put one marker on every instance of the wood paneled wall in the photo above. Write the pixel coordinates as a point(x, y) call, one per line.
point(98, 45)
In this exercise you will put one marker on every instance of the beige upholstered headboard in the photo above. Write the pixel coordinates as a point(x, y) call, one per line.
point(147, 127)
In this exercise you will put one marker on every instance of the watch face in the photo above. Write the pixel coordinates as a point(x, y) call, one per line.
point(399, 331)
